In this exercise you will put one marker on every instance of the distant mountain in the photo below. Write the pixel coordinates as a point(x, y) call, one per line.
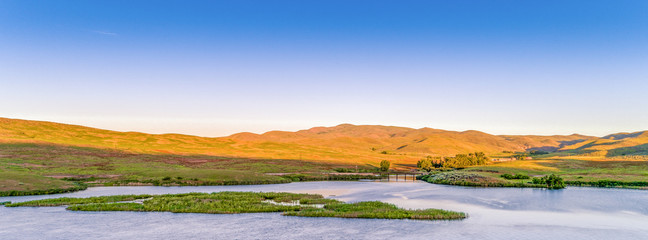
point(360, 144)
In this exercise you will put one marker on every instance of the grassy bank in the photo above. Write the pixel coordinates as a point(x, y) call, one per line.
point(609, 184)
point(572, 169)
point(76, 187)
point(291, 204)
point(592, 173)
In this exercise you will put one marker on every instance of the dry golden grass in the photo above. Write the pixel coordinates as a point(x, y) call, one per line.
point(340, 144)
point(348, 144)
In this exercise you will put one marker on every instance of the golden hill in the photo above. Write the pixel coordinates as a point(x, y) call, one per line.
point(364, 144)
point(614, 145)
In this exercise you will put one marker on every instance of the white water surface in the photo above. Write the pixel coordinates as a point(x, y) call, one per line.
point(494, 213)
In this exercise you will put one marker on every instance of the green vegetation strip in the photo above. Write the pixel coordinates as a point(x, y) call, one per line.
point(78, 186)
point(375, 209)
point(608, 183)
point(479, 180)
point(72, 201)
point(290, 204)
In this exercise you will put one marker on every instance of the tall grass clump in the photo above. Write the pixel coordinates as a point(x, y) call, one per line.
point(375, 209)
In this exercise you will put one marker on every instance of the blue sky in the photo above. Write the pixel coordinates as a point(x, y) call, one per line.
point(213, 68)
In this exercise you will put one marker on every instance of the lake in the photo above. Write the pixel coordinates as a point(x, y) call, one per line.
point(493, 213)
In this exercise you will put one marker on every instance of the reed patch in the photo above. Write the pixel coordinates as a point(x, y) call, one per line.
point(290, 204)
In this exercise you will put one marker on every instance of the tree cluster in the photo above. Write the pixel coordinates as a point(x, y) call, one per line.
point(466, 160)
point(429, 163)
point(538, 152)
point(552, 181)
point(521, 156)
point(458, 161)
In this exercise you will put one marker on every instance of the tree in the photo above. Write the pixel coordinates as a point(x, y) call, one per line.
point(384, 165)
point(425, 164)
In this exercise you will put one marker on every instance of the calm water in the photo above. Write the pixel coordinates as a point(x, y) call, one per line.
point(494, 213)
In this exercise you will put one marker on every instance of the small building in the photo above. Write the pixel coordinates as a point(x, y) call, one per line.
point(502, 159)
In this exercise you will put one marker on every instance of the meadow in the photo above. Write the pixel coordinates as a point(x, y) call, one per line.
point(30, 168)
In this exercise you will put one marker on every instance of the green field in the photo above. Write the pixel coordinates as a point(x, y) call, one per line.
point(291, 204)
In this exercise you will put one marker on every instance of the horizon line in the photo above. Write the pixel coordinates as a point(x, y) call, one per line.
point(278, 130)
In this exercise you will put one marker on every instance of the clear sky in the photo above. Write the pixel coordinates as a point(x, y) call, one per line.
point(213, 68)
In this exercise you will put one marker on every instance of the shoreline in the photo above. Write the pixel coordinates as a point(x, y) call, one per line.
point(482, 182)
point(288, 178)
point(83, 186)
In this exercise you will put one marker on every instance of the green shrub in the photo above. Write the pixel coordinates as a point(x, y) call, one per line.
point(514, 176)
point(551, 181)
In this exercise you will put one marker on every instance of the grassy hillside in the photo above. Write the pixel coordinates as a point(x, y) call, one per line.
point(408, 141)
point(624, 146)
point(365, 144)
point(36, 155)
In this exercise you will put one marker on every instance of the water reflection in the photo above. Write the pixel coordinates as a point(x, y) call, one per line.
point(494, 213)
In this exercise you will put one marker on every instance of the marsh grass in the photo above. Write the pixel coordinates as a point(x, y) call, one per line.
point(375, 209)
point(52, 202)
point(243, 202)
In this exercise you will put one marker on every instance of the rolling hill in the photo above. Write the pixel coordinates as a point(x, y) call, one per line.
point(38, 157)
point(613, 145)
point(366, 144)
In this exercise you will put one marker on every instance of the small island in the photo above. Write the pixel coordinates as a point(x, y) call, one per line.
point(289, 204)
